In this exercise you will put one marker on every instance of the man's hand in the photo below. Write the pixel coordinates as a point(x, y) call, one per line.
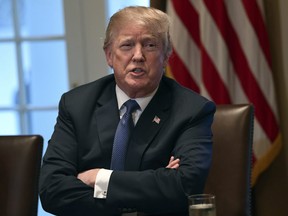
point(88, 177)
point(173, 163)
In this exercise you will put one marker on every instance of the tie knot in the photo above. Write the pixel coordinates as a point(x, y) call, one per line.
point(131, 106)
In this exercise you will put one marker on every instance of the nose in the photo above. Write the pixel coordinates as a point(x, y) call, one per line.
point(138, 55)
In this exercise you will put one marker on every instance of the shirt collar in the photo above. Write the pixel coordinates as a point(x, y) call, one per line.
point(143, 101)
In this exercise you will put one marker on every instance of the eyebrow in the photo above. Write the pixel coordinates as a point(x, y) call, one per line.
point(131, 38)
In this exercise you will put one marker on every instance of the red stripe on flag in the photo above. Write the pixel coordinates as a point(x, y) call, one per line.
point(263, 112)
point(254, 14)
point(181, 73)
point(189, 17)
point(213, 82)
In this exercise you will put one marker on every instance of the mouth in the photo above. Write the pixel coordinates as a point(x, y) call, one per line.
point(137, 70)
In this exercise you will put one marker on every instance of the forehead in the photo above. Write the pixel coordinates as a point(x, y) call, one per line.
point(135, 31)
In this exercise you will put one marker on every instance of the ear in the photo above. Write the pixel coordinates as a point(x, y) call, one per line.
point(165, 61)
point(109, 56)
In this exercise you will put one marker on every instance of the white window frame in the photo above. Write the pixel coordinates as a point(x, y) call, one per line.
point(85, 23)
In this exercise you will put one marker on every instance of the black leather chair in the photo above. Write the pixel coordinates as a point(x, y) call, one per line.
point(230, 174)
point(20, 160)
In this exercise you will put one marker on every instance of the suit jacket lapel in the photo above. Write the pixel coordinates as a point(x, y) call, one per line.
point(150, 122)
point(106, 120)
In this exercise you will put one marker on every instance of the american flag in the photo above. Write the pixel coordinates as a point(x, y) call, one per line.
point(156, 119)
point(221, 50)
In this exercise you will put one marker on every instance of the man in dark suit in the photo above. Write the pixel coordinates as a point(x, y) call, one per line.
point(172, 126)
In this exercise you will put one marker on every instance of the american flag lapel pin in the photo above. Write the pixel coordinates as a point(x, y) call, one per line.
point(156, 119)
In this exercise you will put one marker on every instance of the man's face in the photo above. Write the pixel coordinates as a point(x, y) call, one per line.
point(137, 57)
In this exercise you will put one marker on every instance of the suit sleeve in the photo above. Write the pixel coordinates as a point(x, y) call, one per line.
point(166, 190)
point(61, 193)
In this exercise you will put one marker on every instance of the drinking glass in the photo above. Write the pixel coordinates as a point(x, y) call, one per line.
point(202, 205)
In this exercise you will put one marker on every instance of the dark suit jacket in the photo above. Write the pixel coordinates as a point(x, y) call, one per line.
point(83, 139)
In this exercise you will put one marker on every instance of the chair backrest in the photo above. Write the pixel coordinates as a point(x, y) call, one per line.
point(230, 173)
point(20, 160)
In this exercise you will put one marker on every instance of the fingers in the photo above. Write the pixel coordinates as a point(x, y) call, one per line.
point(173, 163)
point(88, 176)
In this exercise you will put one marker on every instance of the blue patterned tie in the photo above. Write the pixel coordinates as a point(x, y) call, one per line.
point(122, 136)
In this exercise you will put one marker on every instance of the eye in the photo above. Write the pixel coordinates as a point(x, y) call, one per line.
point(150, 45)
point(126, 46)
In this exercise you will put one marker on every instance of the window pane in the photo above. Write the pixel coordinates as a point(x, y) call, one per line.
point(42, 122)
point(6, 20)
point(8, 75)
point(39, 18)
point(45, 70)
point(9, 123)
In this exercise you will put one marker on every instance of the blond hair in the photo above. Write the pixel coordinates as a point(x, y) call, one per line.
point(153, 19)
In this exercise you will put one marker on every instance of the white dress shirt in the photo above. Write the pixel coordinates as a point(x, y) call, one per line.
point(103, 176)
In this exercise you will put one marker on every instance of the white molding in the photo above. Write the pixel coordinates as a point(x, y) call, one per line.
point(85, 27)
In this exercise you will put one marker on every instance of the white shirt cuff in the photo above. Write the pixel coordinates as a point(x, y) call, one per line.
point(101, 183)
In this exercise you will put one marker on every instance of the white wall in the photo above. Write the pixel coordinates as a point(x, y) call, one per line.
point(85, 28)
